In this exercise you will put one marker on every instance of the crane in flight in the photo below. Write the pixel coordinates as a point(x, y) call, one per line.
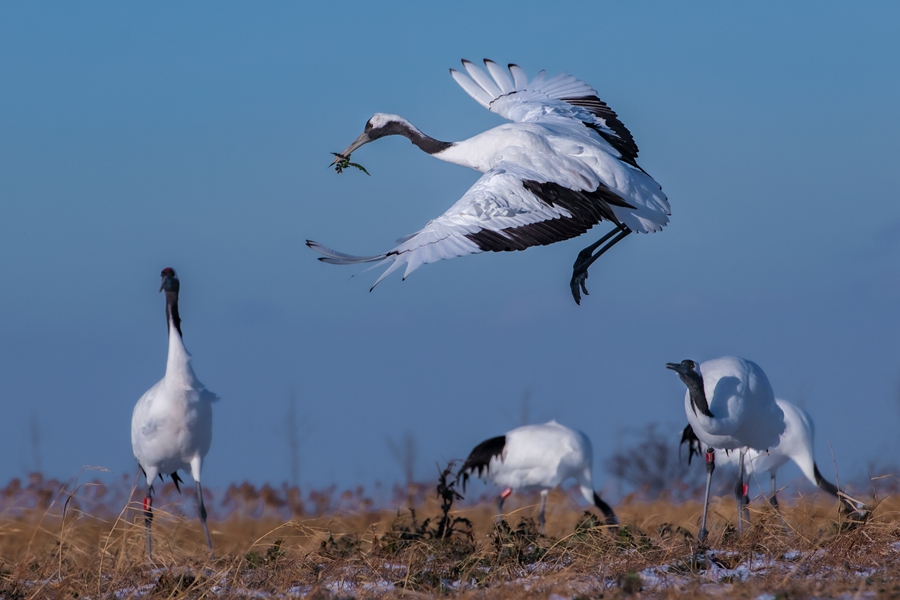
point(564, 164)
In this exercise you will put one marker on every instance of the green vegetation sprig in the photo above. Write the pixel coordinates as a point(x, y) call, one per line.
point(342, 162)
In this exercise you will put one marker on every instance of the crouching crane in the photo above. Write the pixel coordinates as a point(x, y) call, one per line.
point(537, 458)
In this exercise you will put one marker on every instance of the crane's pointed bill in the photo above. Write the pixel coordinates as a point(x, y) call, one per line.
point(342, 160)
point(677, 367)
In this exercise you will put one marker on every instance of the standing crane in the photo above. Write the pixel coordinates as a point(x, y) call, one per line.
point(730, 405)
point(171, 427)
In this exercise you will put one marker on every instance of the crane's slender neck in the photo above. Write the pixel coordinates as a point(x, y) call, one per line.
point(423, 142)
point(694, 383)
point(172, 310)
point(178, 361)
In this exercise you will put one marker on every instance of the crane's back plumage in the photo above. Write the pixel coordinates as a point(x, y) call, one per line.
point(534, 457)
point(742, 403)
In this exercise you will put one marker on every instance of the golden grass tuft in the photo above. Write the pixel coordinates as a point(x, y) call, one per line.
point(58, 548)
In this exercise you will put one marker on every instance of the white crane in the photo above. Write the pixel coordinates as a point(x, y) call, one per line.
point(795, 444)
point(537, 458)
point(565, 163)
point(730, 405)
point(171, 427)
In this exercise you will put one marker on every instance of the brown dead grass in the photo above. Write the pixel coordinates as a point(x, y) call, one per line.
point(49, 552)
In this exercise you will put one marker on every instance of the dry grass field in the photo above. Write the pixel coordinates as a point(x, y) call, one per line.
point(65, 540)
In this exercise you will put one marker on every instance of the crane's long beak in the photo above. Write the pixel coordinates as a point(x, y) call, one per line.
point(361, 140)
point(677, 367)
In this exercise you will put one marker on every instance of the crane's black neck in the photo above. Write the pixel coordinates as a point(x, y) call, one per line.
point(171, 287)
point(425, 143)
point(694, 382)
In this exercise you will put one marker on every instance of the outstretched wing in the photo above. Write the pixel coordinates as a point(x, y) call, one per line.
point(509, 208)
point(561, 98)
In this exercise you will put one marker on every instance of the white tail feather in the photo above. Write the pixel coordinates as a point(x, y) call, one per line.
point(333, 257)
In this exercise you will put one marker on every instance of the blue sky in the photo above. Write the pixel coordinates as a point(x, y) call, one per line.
point(197, 136)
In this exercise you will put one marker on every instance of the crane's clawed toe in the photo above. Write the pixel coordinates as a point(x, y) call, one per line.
point(580, 274)
point(578, 286)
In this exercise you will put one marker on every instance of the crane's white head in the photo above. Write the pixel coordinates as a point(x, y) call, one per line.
point(380, 125)
point(170, 281)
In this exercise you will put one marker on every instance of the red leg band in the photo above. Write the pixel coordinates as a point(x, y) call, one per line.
point(148, 503)
point(506, 493)
point(745, 489)
point(710, 455)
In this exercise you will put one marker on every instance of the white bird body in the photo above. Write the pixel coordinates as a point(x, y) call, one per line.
point(171, 426)
point(795, 444)
point(741, 399)
point(537, 458)
point(564, 164)
point(542, 457)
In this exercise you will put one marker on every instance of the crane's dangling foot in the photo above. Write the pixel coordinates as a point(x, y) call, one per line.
point(587, 257)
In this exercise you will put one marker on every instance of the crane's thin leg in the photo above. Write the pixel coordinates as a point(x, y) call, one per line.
point(710, 467)
point(774, 499)
point(148, 520)
point(587, 257)
point(740, 491)
point(203, 515)
point(542, 520)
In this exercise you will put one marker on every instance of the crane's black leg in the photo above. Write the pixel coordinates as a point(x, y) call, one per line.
point(587, 257)
point(203, 515)
point(710, 467)
point(740, 491)
point(774, 499)
point(148, 520)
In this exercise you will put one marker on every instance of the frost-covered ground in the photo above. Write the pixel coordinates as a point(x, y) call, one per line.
point(707, 574)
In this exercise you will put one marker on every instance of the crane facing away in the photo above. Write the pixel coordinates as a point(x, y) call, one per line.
point(171, 427)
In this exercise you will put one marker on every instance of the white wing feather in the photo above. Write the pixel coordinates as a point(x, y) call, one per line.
point(522, 101)
point(500, 76)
